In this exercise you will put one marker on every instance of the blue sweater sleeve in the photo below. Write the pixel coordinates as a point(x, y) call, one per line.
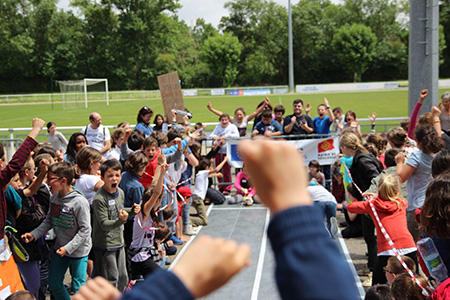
point(308, 263)
point(159, 285)
point(174, 148)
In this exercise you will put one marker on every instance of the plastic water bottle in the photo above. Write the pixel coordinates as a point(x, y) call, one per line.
point(432, 259)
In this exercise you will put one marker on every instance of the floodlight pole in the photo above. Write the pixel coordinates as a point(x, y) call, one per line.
point(423, 71)
point(291, 54)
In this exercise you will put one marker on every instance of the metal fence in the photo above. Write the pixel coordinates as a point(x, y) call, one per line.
point(12, 137)
point(145, 94)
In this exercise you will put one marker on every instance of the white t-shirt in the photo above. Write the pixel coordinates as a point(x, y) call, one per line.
point(114, 153)
point(320, 194)
point(86, 184)
point(96, 137)
point(229, 131)
point(58, 141)
point(142, 238)
point(242, 127)
point(201, 184)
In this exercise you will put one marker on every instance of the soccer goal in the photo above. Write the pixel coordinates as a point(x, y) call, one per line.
point(77, 92)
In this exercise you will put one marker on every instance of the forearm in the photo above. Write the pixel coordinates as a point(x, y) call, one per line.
point(413, 121)
point(303, 256)
point(125, 151)
point(35, 185)
point(106, 147)
point(215, 111)
point(101, 216)
point(288, 128)
point(437, 125)
point(220, 166)
point(18, 160)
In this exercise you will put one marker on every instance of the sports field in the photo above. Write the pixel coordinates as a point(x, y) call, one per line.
point(385, 103)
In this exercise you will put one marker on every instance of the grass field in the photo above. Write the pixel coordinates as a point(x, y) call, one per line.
point(385, 103)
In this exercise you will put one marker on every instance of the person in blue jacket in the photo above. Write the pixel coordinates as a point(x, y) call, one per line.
point(144, 117)
point(308, 262)
point(267, 126)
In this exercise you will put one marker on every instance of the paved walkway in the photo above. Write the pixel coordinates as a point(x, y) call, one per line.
point(249, 225)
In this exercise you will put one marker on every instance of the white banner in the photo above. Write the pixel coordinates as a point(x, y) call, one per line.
point(217, 92)
point(189, 92)
point(325, 150)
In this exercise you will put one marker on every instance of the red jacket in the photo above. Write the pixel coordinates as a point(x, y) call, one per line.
point(150, 170)
point(393, 219)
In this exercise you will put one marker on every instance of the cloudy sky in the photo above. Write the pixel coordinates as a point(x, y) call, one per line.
point(210, 10)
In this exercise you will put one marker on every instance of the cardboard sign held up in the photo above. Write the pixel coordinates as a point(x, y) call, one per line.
point(171, 94)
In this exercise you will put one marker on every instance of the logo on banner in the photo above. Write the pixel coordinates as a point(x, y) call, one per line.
point(325, 145)
point(235, 154)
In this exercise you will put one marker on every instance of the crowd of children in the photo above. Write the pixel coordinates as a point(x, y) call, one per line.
point(117, 214)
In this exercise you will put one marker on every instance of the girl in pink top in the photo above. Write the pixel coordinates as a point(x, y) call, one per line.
point(245, 191)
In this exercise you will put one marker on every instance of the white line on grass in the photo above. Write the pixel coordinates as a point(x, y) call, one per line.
point(191, 240)
point(262, 253)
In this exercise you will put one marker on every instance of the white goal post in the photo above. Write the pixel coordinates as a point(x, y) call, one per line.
point(89, 81)
point(72, 88)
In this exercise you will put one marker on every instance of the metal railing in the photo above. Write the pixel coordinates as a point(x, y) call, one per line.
point(11, 134)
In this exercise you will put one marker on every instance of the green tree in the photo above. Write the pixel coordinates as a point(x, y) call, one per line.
point(222, 54)
point(355, 47)
point(100, 54)
point(139, 24)
point(17, 44)
point(261, 27)
point(444, 38)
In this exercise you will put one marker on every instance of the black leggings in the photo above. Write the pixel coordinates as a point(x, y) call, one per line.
point(142, 268)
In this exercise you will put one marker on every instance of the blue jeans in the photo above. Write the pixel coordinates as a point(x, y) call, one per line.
point(58, 269)
point(328, 210)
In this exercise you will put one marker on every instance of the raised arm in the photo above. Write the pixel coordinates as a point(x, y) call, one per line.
point(157, 183)
point(436, 113)
point(329, 110)
point(404, 171)
point(215, 111)
point(36, 184)
point(415, 114)
point(372, 119)
point(259, 109)
point(308, 109)
point(124, 150)
point(218, 167)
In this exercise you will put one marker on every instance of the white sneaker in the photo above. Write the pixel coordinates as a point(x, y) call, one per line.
point(188, 230)
point(248, 201)
point(368, 281)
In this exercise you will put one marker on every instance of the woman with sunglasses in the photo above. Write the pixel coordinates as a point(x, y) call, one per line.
point(143, 120)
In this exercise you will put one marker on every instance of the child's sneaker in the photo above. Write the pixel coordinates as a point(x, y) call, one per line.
point(248, 201)
point(188, 230)
point(334, 230)
point(176, 240)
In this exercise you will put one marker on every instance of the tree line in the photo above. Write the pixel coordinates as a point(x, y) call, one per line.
point(130, 42)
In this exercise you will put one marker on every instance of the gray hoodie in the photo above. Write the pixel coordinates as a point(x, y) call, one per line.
point(70, 219)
